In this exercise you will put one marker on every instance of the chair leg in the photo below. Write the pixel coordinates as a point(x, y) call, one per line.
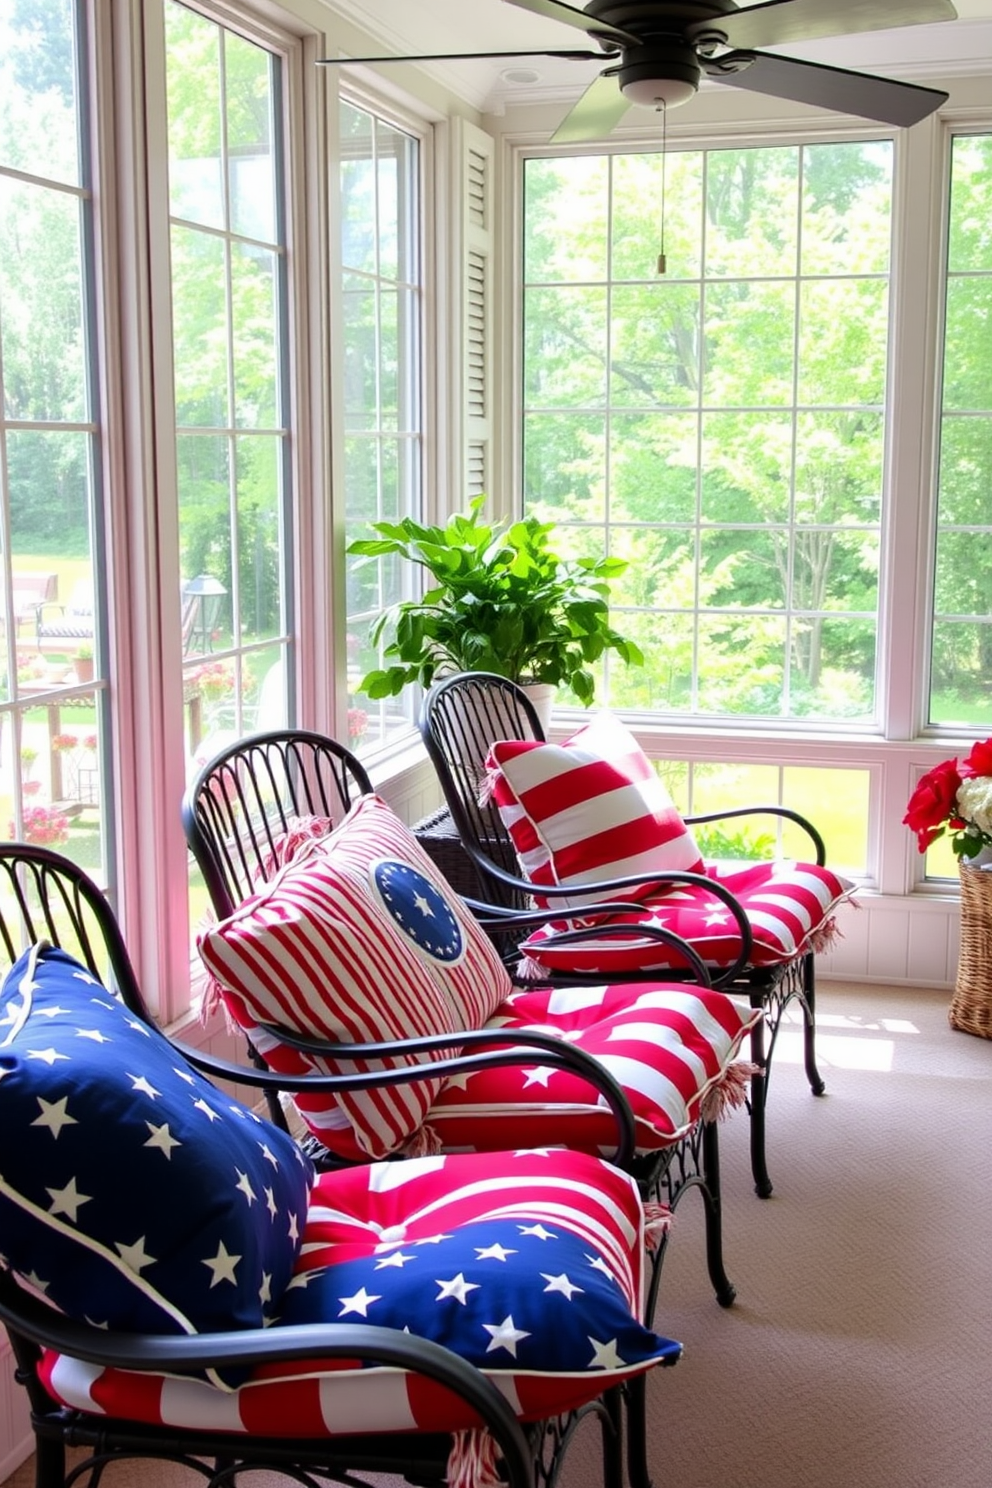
point(722, 1285)
point(636, 1395)
point(797, 984)
point(816, 1083)
point(49, 1462)
point(759, 1094)
point(611, 1426)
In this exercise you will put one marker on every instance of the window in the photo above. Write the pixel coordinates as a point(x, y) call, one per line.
point(229, 293)
point(382, 293)
point(720, 426)
point(53, 715)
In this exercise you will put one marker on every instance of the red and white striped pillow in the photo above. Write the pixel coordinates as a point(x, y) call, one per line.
point(358, 939)
point(789, 907)
point(588, 810)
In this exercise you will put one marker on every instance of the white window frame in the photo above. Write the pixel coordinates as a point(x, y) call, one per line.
point(902, 746)
point(135, 351)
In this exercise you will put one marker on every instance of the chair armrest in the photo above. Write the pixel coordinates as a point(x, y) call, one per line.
point(783, 812)
point(494, 1048)
point(36, 1321)
point(40, 608)
point(503, 919)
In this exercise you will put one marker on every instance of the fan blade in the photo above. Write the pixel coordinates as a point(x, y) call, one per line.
point(570, 16)
point(858, 93)
point(570, 56)
point(600, 108)
point(781, 22)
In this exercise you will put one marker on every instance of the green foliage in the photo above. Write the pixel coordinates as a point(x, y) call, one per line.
point(502, 602)
point(727, 419)
point(715, 843)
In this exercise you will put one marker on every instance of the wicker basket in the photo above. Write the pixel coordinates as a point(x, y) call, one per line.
point(971, 1005)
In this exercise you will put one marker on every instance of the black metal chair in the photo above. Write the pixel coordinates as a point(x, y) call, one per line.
point(250, 793)
point(461, 718)
point(235, 813)
point(238, 815)
point(47, 899)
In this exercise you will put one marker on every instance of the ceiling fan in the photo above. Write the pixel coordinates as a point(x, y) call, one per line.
point(656, 53)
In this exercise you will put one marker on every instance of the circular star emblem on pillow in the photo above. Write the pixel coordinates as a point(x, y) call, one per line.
point(419, 910)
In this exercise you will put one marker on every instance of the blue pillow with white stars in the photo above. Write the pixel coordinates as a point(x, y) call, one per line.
point(511, 1298)
point(134, 1193)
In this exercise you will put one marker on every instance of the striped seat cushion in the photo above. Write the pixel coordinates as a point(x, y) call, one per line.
point(529, 1264)
point(357, 939)
point(669, 1046)
point(588, 810)
point(789, 907)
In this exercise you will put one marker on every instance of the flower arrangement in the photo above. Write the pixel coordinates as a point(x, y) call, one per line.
point(358, 722)
point(213, 680)
point(955, 798)
point(45, 826)
point(63, 743)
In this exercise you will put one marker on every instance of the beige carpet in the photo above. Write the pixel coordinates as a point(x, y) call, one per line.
point(859, 1352)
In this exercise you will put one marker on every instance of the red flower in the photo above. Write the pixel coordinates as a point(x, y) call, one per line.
point(934, 802)
point(979, 761)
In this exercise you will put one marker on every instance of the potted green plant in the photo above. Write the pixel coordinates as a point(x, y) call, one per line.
point(502, 601)
point(83, 663)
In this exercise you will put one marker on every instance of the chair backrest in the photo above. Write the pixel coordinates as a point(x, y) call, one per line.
point(460, 718)
point(241, 805)
point(45, 896)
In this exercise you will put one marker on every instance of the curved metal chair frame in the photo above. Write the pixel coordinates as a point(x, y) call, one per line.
point(46, 896)
point(460, 718)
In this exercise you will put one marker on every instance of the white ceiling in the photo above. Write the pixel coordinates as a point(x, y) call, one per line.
point(426, 26)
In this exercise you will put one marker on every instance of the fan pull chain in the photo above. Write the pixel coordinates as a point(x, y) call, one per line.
point(662, 262)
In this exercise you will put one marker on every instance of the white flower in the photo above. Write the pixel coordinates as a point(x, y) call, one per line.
point(974, 801)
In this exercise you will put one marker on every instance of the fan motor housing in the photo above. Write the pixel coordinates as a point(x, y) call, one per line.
point(651, 18)
point(659, 76)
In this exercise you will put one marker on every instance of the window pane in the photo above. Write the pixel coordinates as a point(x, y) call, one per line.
point(382, 297)
point(200, 328)
point(39, 113)
point(196, 178)
point(565, 350)
point(42, 337)
point(565, 465)
point(257, 511)
point(752, 203)
point(716, 787)
point(654, 345)
point(746, 467)
point(961, 658)
point(560, 246)
point(653, 467)
point(750, 344)
point(640, 184)
point(251, 161)
point(254, 289)
point(54, 783)
point(843, 328)
point(228, 281)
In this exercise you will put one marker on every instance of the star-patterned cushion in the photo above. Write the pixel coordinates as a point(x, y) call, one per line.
point(588, 810)
point(789, 907)
point(357, 939)
point(133, 1193)
point(530, 1264)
